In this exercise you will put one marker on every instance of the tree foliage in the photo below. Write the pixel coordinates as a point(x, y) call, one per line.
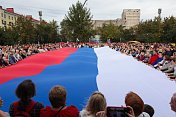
point(110, 31)
point(169, 30)
point(47, 32)
point(25, 32)
point(77, 23)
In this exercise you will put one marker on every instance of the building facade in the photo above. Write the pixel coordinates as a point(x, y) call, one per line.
point(99, 23)
point(130, 18)
point(8, 18)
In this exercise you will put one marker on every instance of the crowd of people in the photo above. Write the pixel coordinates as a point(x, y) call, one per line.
point(95, 107)
point(157, 55)
point(10, 55)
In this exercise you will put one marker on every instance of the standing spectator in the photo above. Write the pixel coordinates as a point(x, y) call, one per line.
point(25, 106)
point(96, 103)
point(136, 103)
point(57, 97)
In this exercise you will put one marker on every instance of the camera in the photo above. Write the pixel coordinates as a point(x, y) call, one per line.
point(117, 112)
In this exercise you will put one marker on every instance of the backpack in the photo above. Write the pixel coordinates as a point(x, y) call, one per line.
point(26, 113)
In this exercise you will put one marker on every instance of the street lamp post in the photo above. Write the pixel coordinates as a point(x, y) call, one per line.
point(159, 22)
point(40, 16)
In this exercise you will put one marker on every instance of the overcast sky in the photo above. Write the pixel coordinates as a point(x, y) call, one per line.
point(100, 9)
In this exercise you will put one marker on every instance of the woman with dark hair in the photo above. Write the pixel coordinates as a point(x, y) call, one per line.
point(25, 106)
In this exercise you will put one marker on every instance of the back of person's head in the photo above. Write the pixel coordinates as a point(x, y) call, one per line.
point(96, 103)
point(57, 96)
point(149, 109)
point(173, 102)
point(133, 100)
point(26, 90)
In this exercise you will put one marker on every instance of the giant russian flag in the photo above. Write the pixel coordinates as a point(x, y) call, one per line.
point(85, 70)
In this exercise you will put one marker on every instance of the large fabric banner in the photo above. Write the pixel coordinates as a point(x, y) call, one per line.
point(85, 70)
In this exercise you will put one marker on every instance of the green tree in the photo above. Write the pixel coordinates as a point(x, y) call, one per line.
point(77, 23)
point(8, 36)
point(110, 31)
point(128, 35)
point(47, 32)
point(149, 31)
point(25, 30)
point(169, 30)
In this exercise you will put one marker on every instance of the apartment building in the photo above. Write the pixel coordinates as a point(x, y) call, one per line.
point(8, 17)
point(99, 23)
point(129, 18)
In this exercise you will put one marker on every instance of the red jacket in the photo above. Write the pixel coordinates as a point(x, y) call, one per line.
point(153, 59)
point(70, 111)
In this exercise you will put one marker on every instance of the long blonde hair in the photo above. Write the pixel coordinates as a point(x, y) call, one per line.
point(96, 103)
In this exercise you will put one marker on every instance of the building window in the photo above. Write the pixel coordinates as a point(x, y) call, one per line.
point(9, 17)
point(10, 23)
point(4, 15)
point(12, 18)
point(1, 14)
point(2, 22)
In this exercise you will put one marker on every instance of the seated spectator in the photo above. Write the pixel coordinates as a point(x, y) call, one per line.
point(149, 109)
point(57, 97)
point(173, 103)
point(96, 103)
point(25, 106)
point(3, 63)
point(160, 58)
point(153, 58)
point(136, 103)
point(17, 55)
point(23, 54)
point(12, 59)
point(166, 63)
point(170, 68)
point(142, 56)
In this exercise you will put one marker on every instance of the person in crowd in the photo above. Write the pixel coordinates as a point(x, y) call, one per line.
point(149, 109)
point(17, 55)
point(57, 98)
point(3, 63)
point(96, 103)
point(25, 105)
point(173, 103)
point(12, 59)
point(153, 58)
point(160, 58)
point(136, 103)
point(135, 106)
